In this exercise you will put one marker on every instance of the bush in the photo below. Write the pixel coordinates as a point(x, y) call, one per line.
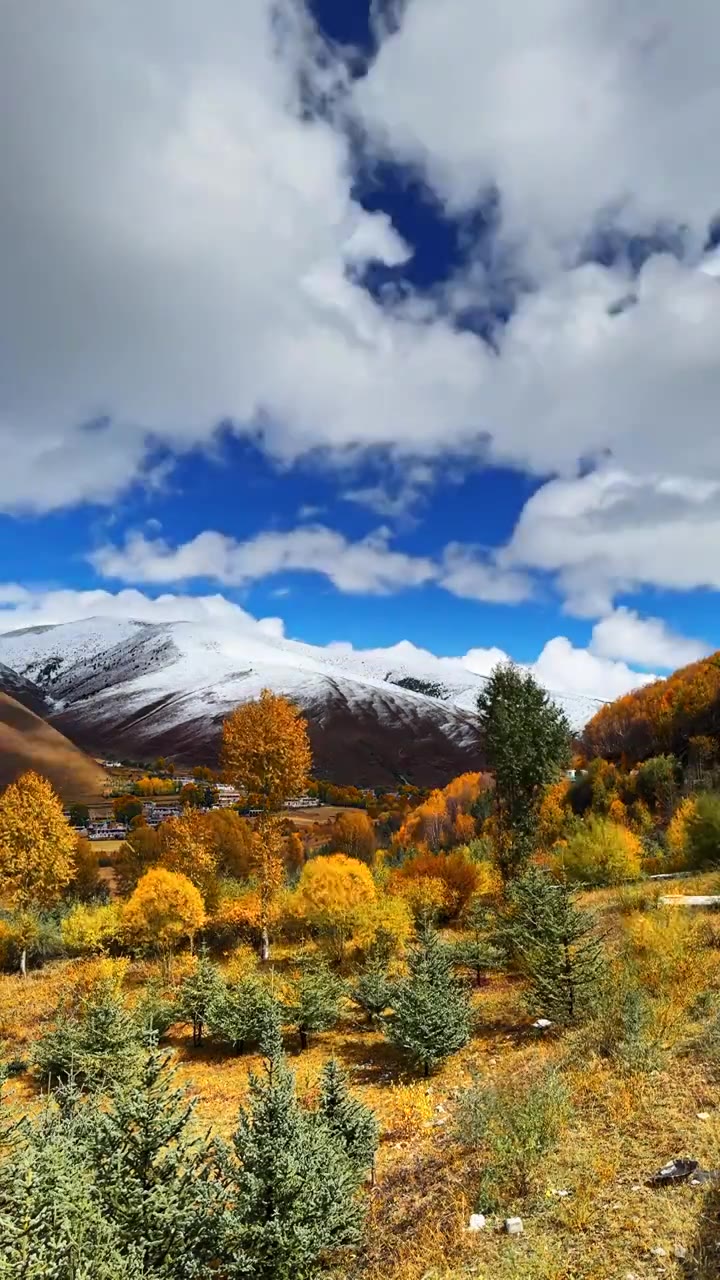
point(514, 1125)
point(624, 1030)
point(244, 1015)
point(88, 930)
point(702, 832)
point(601, 852)
point(94, 1043)
point(459, 875)
point(315, 1003)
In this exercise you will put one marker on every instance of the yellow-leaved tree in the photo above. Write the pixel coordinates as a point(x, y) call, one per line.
point(332, 894)
point(187, 848)
point(37, 847)
point(266, 753)
point(165, 909)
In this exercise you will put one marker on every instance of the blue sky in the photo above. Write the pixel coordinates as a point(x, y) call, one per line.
point(392, 321)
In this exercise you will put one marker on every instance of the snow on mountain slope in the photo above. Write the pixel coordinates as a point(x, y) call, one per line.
point(144, 689)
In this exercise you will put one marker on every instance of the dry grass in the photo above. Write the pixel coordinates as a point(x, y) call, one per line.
point(623, 1126)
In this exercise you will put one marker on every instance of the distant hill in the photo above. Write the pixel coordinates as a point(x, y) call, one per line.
point(663, 716)
point(27, 742)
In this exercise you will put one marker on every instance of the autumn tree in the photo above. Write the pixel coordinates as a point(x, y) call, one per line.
point(332, 893)
point(353, 833)
point(526, 740)
point(85, 883)
point(125, 808)
point(601, 852)
point(266, 751)
point(165, 909)
point(37, 847)
point(138, 852)
point(186, 847)
point(231, 840)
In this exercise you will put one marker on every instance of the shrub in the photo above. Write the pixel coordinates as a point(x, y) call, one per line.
point(383, 927)
point(94, 1042)
point(677, 831)
point(88, 930)
point(332, 895)
point(514, 1125)
point(372, 990)
point(456, 871)
point(625, 1028)
point(431, 1014)
point(601, 852)
point(165, 909)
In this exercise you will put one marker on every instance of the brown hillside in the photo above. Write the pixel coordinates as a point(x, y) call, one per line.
point(27, 742)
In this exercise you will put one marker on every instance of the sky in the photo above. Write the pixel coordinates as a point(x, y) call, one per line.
point(386, 321)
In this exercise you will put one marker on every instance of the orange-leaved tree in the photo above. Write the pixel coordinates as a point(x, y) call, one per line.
point(332, 894)
point(165, 910)
point(266, 753)
point(37, 846)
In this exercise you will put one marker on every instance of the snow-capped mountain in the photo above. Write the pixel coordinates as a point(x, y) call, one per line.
point(139, 690)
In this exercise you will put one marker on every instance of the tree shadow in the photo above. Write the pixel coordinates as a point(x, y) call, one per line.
point(375, 1061)
point(703, 1260)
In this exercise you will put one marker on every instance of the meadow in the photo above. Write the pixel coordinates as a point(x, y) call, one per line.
point(587, 1212)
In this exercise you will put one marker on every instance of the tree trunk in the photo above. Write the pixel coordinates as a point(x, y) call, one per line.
point(426, 1069)
point(23, 962)
point(303, 1038)
point(264, 945)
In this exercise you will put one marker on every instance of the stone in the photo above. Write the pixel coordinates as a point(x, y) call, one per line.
point(477, 1222)
point(560, 1192)
point(680, 1252)
point(703, 1115)
point(514, 1226)
point(542, 1024)
point(659, 1252)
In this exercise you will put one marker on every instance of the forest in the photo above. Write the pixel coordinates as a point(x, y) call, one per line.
point(442, 1035)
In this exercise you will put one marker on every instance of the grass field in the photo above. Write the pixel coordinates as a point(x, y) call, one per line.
point(624, 1125)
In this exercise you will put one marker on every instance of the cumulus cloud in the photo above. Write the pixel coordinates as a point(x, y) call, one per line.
point(610, 532)
point(35, 607)
point(571, 108)
point(369, 566)
point(650, 642)
point(182, 244)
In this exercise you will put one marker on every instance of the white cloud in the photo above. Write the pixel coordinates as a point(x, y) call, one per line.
point(562, 667)
point(571, 108)
point(611, 532)
point(369, 566)
point(646, 641)
point(34, 607)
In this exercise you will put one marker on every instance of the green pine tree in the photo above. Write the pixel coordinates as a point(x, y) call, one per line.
point(431, 1014)
point(288, 1184)
point(354, 1125)
point(475, 951)
point(245, 1014)
point(152, 1174)
point(199, 990)
point(372, 989)
point(316, 1003)
point(97, 1042)
point(52, 1225)
point(554, 944)
point(526, 740)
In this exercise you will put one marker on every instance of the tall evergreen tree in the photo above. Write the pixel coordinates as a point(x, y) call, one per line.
point(198, 990)
point(431, 1015)
point(353, 1124)
point(151, 1172)
point(372, 989)
point(526, 740)
point(52, 1223)
point(554, 944)
point(289, 1186)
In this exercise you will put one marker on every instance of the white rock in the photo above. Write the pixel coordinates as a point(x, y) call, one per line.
point(680, 1252)
point(561, 1192)
point(703, 1115)
point(659, 1252)
point(542, 1024)
point(477, 1222)
point(514, 1226)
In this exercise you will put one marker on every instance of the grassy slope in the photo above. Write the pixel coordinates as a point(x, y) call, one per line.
point(624, 1126)
point(27, 742)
